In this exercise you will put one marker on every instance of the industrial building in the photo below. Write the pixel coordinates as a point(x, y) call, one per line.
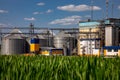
point(14, 43)
point(91, 38)
point(38, 41)
point(102, 33)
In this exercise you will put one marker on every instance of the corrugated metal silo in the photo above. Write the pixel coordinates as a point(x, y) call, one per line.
point(60, 40)
point(49, 37)
point(14, 43)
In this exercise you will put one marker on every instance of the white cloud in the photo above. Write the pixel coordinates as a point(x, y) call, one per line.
point(67, 20)
point(37, 13)
point(41, 4)
point(2, 25)
point(49, 11)
point(3, 11)
point(82, 7)
point(30, 19)
point(5, 25)
point(119, 7)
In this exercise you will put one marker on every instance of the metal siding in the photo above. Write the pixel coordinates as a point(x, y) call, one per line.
point(13, 46)
point(43, 42)
point(59, 42)
point(50, 42)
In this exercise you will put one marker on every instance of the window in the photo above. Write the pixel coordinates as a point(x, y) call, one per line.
point(109, 50)
point(115, 50)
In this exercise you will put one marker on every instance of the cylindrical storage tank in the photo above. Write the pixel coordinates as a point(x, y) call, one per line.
point(50, 42)
point(60, 42)
point(43, 42)
point(34, 45)
point(13, 46)
point(71, 44)
point(14, 43)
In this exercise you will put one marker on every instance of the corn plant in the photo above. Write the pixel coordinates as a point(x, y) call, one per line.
point(58, 68)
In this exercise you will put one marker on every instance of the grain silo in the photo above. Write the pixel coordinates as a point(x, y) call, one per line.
point(49, 37)
point(61, 39)
point(14, 43)
point(65, 41)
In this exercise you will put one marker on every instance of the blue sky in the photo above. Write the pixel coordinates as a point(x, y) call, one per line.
point(53, 13)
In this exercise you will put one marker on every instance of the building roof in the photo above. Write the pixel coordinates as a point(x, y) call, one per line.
point(89, 24)
point(63, 34)
point(111, 47)
point(91, 39)
point(15, 34)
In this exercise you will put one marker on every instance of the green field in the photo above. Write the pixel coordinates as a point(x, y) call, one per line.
point(59, 68)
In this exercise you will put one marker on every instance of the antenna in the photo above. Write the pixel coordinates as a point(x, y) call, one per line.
point(107, 3)
point(91, 9)
point(31, 29)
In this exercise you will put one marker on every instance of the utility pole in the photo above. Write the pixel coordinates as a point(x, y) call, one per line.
point(107, 3)
point(91, 9)
point(31, 29)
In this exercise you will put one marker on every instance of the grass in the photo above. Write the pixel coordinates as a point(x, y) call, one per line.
point(59, 68)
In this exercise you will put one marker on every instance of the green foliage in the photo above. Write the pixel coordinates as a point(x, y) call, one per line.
point(58, 68)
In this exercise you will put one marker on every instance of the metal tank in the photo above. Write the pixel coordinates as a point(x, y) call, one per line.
point(14, 43)
point(13, 46)
point(49, 37)
point(60, 42)
point(43, 42)
point(72, 45)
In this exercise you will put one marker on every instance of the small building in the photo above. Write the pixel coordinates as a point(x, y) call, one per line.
point(111, 50)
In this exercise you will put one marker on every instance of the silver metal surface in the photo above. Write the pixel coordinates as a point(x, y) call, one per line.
point(14, 46)
point(60, 42)
point(111, 36)
point(14, 43)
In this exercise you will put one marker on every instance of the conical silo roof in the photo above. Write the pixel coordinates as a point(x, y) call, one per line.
point(15, 33)
point(51, 33)
point(63, 34)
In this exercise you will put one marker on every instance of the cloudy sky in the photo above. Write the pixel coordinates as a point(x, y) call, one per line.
point(53, 13)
